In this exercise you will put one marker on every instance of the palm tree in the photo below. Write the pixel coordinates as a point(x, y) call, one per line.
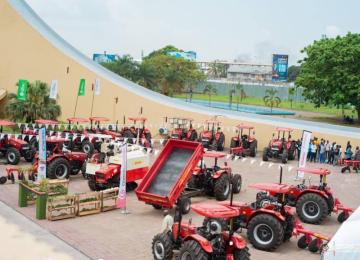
point(240, 91)
point(271, 99)
point(209, 89)
point(38, 104)
point(291, 92)
point(231, 94)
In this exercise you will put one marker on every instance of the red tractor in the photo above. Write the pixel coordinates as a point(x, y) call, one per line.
point(137, 133)
point(12, 148)
point(215, 181)
point(313, 202)
point(212, 137)
point(200, 243)
point(61, 164)
point(32, 132)
point(280, 147)
point(243, 144)
point(97, 129)
point(180, 130)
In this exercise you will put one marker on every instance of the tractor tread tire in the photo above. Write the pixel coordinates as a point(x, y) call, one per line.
point(219, 187)
point(253, 148)
point(167, 243)
point(193, 182)
point(236, 179)
point(274, 224)
point(319, 200)
point(54, 164)
point(242, 254)
point(91, 147)
point(16, 153)
point(265, 156)
point(195, 251)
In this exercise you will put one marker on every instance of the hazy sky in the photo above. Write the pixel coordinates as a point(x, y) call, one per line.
point(248, 30)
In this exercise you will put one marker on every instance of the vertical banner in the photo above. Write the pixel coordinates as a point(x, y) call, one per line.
point(306, 137)
point(121, 201)
point(81, 91)
point(42, 154)
point(53, 89)
point(22, 90)
point(97, 87)
point(280, 67)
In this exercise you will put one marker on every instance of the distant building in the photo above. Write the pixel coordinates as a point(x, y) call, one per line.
point(249, 73)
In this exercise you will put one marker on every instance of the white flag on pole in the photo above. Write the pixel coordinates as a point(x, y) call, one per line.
point(306, 137)
point(53, 89)
point(97, 87)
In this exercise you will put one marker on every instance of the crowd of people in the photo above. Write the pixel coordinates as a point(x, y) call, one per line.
point(322, 151)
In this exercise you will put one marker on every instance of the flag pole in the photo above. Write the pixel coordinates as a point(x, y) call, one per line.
point(114, 111)
point(77, 98)
point(92, 101)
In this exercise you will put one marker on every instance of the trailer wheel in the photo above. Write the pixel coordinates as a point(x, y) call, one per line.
point(302, 243)
point(236, 183)
point(313, 246)
point(3, 180)
point(242, 254)
point(265, 157)
point(59, 168)
point(312, 208)
point(342, 217)
point(184, 205)
point(253, 148)
point(192, 250)
point(222, 187)
point(162, 247)
point(13, 156)
point(265, 232)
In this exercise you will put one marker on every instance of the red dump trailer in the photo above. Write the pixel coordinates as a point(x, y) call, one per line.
point(164, 183)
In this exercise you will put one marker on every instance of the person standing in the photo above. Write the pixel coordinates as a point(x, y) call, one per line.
point(332, 153)
point(313, 152)
point(348, 152)
point(327, 150)
point(322, 152)
point(336, 155)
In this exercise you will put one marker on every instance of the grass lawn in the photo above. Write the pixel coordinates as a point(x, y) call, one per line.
point(307, 107)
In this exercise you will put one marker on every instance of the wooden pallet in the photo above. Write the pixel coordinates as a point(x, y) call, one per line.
point(88, 203)
point(108, 199)
point(61, 207)
point(52, 184)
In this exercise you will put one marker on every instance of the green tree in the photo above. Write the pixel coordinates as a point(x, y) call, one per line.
point(209, 89)
point(330, 72)
point(271, 99)
point(291, 94)
point(125, 66)
point(240, 94)
point(217, 69)
point(162, 51)
point(147, 76)
point(293, 72)
point(38, 104)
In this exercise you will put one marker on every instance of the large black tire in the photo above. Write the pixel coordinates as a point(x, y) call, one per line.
point(162, 247)
point(342, 217)
point(193, 136)
point(302, 244)
point(220, 144)
point(34, 143)
point(222, 187)
point(236, 183)
point(234, 143)
point(83, 170)
point(191, 250)
point(265, 232)
point(242, 254)
point(312, 208)
point(59, 168)
point(13, 156)
point(184, 204)
point(284, 157)
point(155, 206)
point(265, 157)
point(193, 182)
point(289, 227)
point(3, 180)
point(253, 148)
point(313, 246)
point(87, 147)
point(130, 186)
point(291, 153)
point(93, 186)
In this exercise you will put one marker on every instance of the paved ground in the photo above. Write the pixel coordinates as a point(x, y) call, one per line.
point(112, 235)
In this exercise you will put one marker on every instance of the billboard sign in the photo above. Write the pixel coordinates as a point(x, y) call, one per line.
point(103, 57)
point(188, 55)
point(280, 67)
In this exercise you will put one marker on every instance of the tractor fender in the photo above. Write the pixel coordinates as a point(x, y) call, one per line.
point(203, 242)
point(219, 173)
point(320, 192)
point(273, 213)
point(238, 241)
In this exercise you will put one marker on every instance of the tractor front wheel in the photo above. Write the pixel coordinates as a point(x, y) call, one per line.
point(162, 247)
point(236, 183)
point(242, 254)
point(265, 232)
point(87, 147)
point(253, 148)
point(312, 208)
point(59, 168)
point(192, 250)
point(13, 156)
point(222, 187)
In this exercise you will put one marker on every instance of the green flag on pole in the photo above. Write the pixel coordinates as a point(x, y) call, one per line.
point(22, 89)
point(81, 91)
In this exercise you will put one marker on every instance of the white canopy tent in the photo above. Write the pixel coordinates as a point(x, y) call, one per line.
point(345, 244)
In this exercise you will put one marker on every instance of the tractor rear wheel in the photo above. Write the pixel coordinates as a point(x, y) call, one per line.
point(302, 243)
point(87, 147)
point(284, 157)
point(59, 168)
point(253, 148)
point(236, 183)
point(312, 208)
point(191, 250)
point(13, 156)
point(162, 247)
point(242, 254)
point(184, 204)
point(193, 182)
point(222, 187)
point(265, 157)
point(265, 232)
